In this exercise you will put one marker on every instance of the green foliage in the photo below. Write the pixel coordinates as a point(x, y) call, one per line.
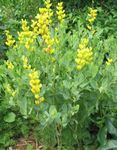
point(79, 110)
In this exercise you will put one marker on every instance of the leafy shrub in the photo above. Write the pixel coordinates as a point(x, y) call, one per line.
point(64, 80)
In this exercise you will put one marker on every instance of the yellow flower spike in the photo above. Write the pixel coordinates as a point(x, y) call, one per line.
point(35, 85)
point(10, 41)
point(84, 54)
point(84, 43)
point(60, 12)
point(27, 37)
point(42, 23)
point(92, 15)
point(25, 25)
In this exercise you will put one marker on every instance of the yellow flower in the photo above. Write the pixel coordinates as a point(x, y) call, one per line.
point(25, 25)
point(41, 25)
point(26, 37)
point(39, 100)
point(84, 55)
point(35, 85)
point(10, 41)
point(60, 12)
point(83, 43)
point(9, 65)
point(109, 61)
point(92, 15)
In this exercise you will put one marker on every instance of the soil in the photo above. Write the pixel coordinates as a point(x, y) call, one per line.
point(23, 143)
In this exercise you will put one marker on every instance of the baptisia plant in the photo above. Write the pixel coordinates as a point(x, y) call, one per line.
point(58, 78)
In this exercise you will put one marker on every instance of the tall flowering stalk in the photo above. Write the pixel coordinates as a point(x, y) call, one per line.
point(60, 12)
point(10, 41)
point(26, 37)
point(35, 86)
point(91, 17)
point(41, 25)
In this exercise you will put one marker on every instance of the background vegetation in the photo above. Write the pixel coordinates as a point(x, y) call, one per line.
point(88, 123)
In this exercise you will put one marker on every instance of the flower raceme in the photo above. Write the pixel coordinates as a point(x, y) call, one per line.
point(92, 15)
point(26, 37)
point(84, 55)
point(91, 18)
point(41, 25)
point(25, 26)
point(35, 86)
point(10, 41)
point(43, 19)
point(60, 12)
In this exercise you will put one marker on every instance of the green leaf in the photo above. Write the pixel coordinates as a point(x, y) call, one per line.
point(102, 136)
point(111, 129)
point(104, 86)
point(10, 117)
point(23, 106)
point(64, 120)
point(111, 145)
point(94, 68)
point(53, 111)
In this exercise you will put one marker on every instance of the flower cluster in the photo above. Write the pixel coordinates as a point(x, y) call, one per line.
point(9, 64)
point(35, 86)
point(26, 37)
point(41, 25)
point(60, 12)
point(91, 17)
point(109, 61)
point(25, 63)
point(84, 55)
point(10, 41)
